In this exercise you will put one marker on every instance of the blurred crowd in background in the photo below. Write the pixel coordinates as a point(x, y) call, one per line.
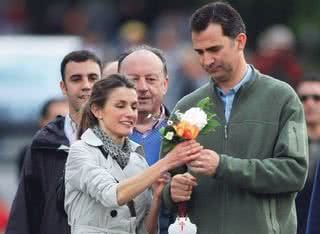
point(283, 35)
point(283, 41)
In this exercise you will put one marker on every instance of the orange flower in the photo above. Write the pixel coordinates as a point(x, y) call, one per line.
point(186, 130)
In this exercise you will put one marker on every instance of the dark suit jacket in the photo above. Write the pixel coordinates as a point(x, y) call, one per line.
point(313, 224)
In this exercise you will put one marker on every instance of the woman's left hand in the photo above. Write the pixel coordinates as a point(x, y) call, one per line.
point(159, 185)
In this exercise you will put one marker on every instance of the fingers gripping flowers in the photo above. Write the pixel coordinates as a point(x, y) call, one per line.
point(188, 125)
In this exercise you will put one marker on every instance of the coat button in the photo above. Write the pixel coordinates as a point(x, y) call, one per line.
point(113, 213)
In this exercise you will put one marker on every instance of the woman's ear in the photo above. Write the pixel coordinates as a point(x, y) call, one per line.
point(96, 112)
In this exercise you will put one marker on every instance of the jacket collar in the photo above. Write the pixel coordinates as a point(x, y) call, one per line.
point(211, 88)
point(51, 136)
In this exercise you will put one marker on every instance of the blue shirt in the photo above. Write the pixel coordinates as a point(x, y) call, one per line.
point(150, 140)
point(227, 97)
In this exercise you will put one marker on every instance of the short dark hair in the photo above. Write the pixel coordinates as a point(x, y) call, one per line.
point(46, 106)
point(220, 13)
point(154, 50)
point(101, 91)
point(311, 76)
point(78, 56)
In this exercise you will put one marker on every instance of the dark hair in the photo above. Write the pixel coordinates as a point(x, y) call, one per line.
point(218, 13)
point(46, 106)
point(154, 50)
point(312, 76)
point(78, 56)
point(101, 90)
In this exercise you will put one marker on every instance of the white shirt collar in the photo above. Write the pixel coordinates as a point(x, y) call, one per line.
point(70, 129)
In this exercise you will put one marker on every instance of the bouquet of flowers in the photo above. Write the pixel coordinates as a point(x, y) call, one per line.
point(188, 125)
point(181, 127)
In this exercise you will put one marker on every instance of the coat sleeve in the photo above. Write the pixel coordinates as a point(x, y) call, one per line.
point(285, 170)
point(85, 174)
point(26, 211)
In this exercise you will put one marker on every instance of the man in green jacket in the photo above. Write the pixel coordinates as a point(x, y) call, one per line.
point(254, 163)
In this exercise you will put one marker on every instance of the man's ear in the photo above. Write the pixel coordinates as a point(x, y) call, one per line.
point(165, 85)
point(242, 40)
point(63, 87)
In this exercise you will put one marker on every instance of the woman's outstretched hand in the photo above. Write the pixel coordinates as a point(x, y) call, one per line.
point(183, 153)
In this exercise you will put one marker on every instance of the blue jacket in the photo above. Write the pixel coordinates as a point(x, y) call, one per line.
point(313, 223)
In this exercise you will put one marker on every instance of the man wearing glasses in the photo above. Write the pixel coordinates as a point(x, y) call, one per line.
point(309, 93)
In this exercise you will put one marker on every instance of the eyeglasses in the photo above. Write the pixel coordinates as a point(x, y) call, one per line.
point(314, 97)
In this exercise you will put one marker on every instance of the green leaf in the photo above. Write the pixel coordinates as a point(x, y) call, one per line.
point(162, 130)
point(206, 105)
point(211, 126)
point(167, 146)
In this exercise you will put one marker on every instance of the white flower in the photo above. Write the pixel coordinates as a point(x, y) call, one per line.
point(170, 122)
point(169, 136)
point(195, 116)
point(178, 114)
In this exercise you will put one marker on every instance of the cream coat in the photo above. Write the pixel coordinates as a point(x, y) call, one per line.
point(91, 185)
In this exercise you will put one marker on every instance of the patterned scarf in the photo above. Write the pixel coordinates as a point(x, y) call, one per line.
point(121, 155)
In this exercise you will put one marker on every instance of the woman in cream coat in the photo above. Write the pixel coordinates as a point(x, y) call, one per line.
point(107, 179)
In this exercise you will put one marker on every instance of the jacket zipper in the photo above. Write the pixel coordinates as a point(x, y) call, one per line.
point(226, 132)
point(295, 134)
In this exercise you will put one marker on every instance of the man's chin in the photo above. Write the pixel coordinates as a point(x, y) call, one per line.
point(144, 111)
point(144, 108)
point(79, 107)
point(219, 77)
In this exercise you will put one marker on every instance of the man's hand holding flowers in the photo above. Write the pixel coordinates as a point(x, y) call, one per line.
point(181, 187)
point(206, 164)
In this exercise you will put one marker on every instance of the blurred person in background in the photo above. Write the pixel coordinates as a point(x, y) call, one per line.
point(146, 67)
point(309, 93)
point(276, 56)
point(34, 209)
point(167, 36)
point(110, 68)
point(49, 111)
point(132, 33)
point(252, 166)
point(189, 76)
